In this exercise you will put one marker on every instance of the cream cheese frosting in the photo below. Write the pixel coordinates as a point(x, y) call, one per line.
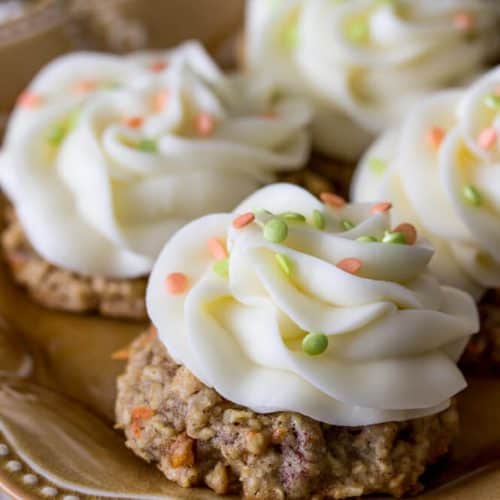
point(291, 304)
point(106, 156)
point(441, 169)
point(363, 63)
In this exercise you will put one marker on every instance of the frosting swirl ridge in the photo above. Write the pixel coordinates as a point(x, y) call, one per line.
point(303, 307)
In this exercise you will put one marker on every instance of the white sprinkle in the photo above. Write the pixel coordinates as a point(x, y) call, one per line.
point(49, 491)
point(30, 479)
point(14, 466)
point(71, 497)
point(4, 450)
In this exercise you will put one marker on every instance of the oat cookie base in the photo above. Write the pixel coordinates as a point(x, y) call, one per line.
point(196, 438)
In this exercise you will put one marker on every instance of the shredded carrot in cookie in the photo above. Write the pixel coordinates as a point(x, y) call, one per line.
point(139, 414)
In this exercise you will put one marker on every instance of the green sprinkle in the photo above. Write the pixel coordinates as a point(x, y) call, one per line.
point(291, 37)
point(318, 219)
point(394, 238)
point(315, 344)
point(72, 120)
point(109, 85)
point(367, 239)
point(261, 211)
point(358, 31)
point(147, 146)
point(275, 231)
point(221, 268)
point(284, 262)
point(377, 165)
point(472, 195)
point(493, 102)
point(293, 216)
point(347, 224)
point(56, 134)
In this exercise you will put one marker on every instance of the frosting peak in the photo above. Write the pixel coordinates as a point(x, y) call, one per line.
point(106, 156)
point(290, 304)
point(441, 169)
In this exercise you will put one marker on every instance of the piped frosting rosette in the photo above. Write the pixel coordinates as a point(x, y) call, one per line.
point(322, 309)
point(363, 63)
point(106, 156)
point(441, 169)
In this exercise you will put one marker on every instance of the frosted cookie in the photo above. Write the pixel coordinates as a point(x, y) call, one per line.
point(296, 339)
point(107, 156)
point(441, 170)
point(363, 63)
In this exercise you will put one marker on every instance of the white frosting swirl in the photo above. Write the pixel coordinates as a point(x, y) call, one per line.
point(428, 183)
point(365, 62)
point(106, 156)
point(394, 334)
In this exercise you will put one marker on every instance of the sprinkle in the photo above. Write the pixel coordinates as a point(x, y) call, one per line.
point(318, 219)
point(377, 165)
point(269, 115)
point(56, 134)
point(367, 239)
point(350, 265)
point(72, 120)
point(487, 138)
point(217, 249)
point(243, 220)
point(122, 354)
point(262, 211)
point(315, 344)
point(275, 230)
point(204, 124)
point(291, 37)
point(221, 268)
point(292, 216)
point(158, 66)
point(395, 238)
point(108, 85)
point(29, 100)
point(434, 137)
point(463, 21)
point(84, 87)
point(347, 224)
point(472, 195)
point(492, 101)
point(147, 146)
point(380, 208)
point(409, 231)
point(284, 262)
point(133, 121)
point(332, 200)
point(176, 283)
point(160, 100)
point(358, 31)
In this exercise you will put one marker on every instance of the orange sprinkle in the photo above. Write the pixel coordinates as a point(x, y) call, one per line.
point(204, 124)
point(332, 200)
point(133, 121)
point(139, 414)
point(29, 100)
point(160, 100)
point(217, 249)
point(487, 138)
point(409, 231)
point(84, 87)
point(176, 283)
point(121, 354)
point(463, 21)
point(243, 220)
point(271, 115)
point(380, 208)
point(158, 66)
point(153, 332)
point(434, 137)
point(350, 265)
